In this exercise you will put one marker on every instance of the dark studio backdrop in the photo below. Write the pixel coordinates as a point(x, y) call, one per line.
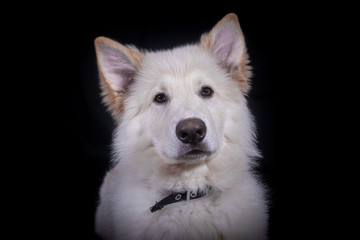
point(78, 130)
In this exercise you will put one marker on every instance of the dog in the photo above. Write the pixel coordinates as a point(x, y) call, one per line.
point(184, 147)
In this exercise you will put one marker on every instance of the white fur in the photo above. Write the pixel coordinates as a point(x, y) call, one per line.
point(146, 149)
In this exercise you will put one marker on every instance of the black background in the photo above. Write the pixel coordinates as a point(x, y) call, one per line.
point(65, 132)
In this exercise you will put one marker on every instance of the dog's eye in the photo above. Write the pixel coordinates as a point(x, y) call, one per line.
point(160, 98)
point(206, 92)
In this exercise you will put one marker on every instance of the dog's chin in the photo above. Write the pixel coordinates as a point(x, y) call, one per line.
point(190, 158)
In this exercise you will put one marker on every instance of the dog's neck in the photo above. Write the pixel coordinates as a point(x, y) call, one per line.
point(181, 196)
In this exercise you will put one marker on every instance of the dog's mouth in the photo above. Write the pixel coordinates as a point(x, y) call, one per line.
point(195, 154)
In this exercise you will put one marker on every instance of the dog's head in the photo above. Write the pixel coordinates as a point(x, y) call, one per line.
point(181, 103)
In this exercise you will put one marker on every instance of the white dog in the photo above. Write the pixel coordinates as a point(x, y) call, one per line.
point(184, 145)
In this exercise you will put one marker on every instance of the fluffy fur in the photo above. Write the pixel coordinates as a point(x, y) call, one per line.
point(149, 159)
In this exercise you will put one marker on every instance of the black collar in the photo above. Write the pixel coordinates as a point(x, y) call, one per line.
point(180, 196)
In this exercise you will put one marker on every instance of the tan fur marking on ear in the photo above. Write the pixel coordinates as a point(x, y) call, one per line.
point(241, 73)
point(113, 99)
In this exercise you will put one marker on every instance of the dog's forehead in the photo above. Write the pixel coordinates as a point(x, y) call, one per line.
point(186, 64)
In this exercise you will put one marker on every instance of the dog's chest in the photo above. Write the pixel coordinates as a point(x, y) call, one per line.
point(196, 219)
point(203, 218)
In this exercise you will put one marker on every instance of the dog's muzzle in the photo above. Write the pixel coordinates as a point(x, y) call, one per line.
point(191, 132)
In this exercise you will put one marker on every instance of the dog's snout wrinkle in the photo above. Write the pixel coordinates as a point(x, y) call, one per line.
point(191, 131)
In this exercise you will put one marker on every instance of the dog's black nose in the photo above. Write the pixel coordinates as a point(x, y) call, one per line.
point(191, 131)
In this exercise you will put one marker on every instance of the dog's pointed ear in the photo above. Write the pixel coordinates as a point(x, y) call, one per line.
point(117, 68)
point(227, 44)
